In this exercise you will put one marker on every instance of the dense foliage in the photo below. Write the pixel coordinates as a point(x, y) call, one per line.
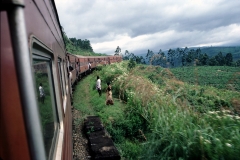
point(212, 51)
point(190, 57)
point(79, 46)
point(161, 117)
point(132, 57)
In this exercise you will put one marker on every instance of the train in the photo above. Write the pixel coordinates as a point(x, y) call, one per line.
point(80, 64)
point(37, 75)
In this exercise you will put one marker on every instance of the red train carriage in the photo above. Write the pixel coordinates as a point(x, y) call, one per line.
point(83, 64)
point(118, 58)
point(93, 63)
point(35, 112)
point(111, 59)
point(73, 66)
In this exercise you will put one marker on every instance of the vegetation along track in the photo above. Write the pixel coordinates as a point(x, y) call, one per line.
point(171, 117)
point(85, 97)
point(80, 143)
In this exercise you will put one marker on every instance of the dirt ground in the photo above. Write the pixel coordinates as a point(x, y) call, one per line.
point(80, 142)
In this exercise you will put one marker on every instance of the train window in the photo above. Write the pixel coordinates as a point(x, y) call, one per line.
point(73, 65)
point(60, 71)
point(42, 67)
point(65, 75)
point(62, 74)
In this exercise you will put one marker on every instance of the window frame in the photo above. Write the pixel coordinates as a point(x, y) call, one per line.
point(39, 51)
point(63, 83)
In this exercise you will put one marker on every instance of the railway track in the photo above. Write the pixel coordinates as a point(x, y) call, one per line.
point(91, 140)
point(100, 144)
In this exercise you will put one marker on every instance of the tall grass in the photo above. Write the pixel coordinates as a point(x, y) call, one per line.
point(164, 118)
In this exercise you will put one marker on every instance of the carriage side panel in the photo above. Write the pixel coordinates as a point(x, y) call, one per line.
point(13, 137)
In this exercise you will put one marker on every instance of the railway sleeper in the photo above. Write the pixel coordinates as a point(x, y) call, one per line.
point(101, 145)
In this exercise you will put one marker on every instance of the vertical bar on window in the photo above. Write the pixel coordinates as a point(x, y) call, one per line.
point(25, 82)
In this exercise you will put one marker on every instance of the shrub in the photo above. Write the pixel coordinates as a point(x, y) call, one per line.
point(130, 150)
point(131, 64)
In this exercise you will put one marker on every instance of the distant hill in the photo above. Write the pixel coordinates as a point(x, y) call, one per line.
point(212, 51)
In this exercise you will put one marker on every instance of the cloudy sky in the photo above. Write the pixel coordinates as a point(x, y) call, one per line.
point(139, 25)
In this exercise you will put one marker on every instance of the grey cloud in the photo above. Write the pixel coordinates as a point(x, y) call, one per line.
point(104, 20)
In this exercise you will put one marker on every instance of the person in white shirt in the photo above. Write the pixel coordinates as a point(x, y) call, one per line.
point(70, 79)
point(89, 67)
point(41, 92)
point(98, 86)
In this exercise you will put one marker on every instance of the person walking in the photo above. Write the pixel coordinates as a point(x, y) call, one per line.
point(98, 86)
point(89, 67)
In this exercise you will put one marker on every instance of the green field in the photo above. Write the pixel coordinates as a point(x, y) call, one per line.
point(222, 77)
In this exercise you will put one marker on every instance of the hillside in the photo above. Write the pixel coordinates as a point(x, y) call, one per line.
point(221, 77)
point(212, 51)
point(157, 116)
point(79, 47)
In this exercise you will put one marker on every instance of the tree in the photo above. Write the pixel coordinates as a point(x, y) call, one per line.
point(220, 59)
point(190, 57)
point(160, 59)
point(132, 57)
point(197, 53)
point(238, 63)
point(203, 59)
point(118, 50)
point(149, 56)
point(178, 55)
point(184, 56)
point(126, 55)
point(142, 60)
point(131, 64)
point(213, 61)
point(171, 55)
point(228, 59)
point(80, 44)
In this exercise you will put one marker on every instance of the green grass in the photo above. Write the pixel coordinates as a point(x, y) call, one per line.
point(157, 116)
point(46, 109)
point(222, 77)
point(86, 98)
point(46, 112)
